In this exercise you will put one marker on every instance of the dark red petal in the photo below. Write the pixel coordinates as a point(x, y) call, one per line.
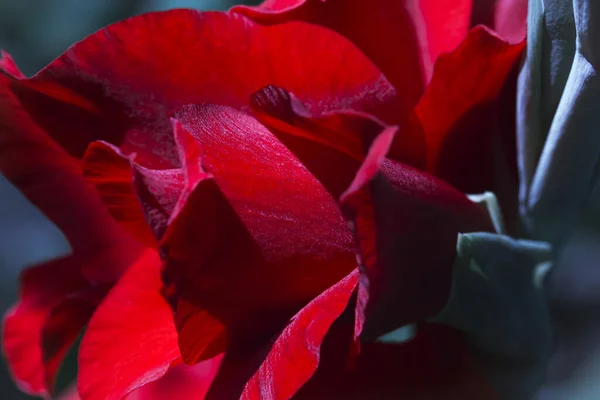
point(42, 290)
point(406, 223)
point(7, 64)
point(130, 340)
point(272, 237)
point(182, 382)
point(458, 110)
point(295, 355)
point(332, 145)
point(121, 83)
point(53, 182)
point(507, 17)
point(403, 38)
point(63, 325)
point(158, 192)
point(105, 167)
point(468, 124)
point(432, 366)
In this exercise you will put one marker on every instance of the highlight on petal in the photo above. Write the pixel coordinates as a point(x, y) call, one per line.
point(403, 38)
point(272, 237)
point(495, 14)
point(295, 355)
point(399, 215)
point(121, 84)
point(182, 382)
point(130, 340)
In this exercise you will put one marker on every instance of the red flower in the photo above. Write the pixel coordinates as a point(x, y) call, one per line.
point(247, 193)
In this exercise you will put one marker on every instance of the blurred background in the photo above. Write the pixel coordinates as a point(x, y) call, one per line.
point(34, 32)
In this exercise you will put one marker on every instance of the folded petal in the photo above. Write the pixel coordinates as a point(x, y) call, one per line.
point(331, 145)
point(467, 115)
point(272, 237)
point(403, 38)
point(42, 291)
point(52, 181)
point(131, 339)
point(105, 167)
point(121, 83)
point(459, 110)
point(507, 17)
point(294, 356)
point(399, 215)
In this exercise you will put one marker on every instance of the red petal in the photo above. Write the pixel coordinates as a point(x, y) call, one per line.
point(294, 356)
point(182, 382)
point(105, 167)
point(125, 80)
point(332, 145)
point(507, 17)
point(131, 340)
point(402, 37)
point(52, 181)
point(273, 238)
point(430, 366)
point(7, 64)
point(469, 135)
point(406, 223)
point(158, 192)
point(42, 290)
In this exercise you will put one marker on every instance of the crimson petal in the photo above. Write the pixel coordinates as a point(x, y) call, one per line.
point(43, 289)
point(182, 382)
point(295, 355)
point(403, 38)
point(507, 17)
point(331, 145)
point(53, 182)
point(121, 83)
point(399, 214)
point(273, 238)
point(105, 167)
point(130, 340)
point(460, 113)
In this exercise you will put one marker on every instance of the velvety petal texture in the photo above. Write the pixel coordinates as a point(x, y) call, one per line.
point(288, 232)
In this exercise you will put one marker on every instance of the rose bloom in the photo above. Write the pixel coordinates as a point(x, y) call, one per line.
point(255, 198)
